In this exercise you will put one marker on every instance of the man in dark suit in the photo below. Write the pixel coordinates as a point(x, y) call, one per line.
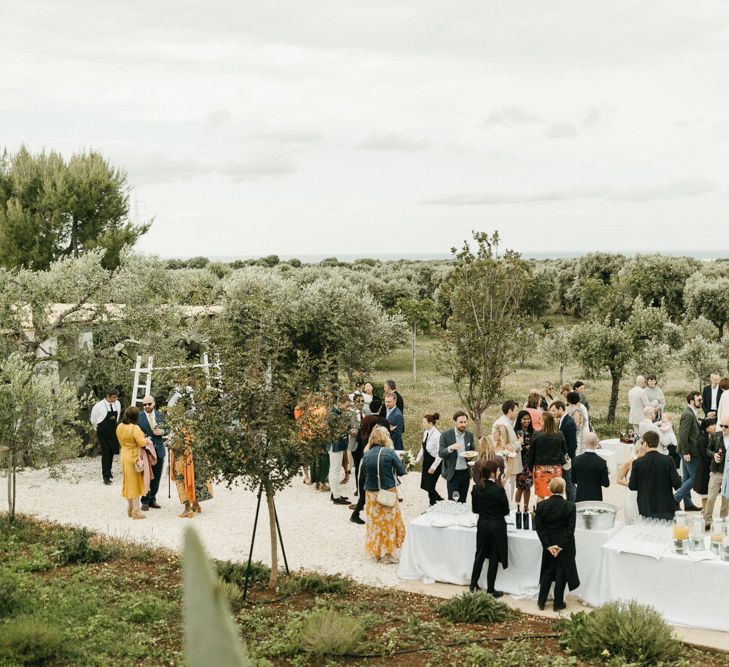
point(151, 421)
point(455, 468)
point(569, 429)
point(590, 471)
point(711, 395)
point(391, 388)
point(688, 447)
point(654, 477)
point(555, 521)
point(393, 414)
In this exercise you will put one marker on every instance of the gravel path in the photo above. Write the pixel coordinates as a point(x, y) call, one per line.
point(317, 534)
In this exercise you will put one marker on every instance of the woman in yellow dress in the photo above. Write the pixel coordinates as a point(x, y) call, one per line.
point(131, 438)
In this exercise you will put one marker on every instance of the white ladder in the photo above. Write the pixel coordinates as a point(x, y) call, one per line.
point(146, 386)
point(216, 380)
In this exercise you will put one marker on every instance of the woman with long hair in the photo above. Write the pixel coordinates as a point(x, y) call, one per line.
point(548, 454)
point(504, 449)
point(534, 408)
point(487, 452)
point(429, 455)
point(385, 530)
point(131, 438)
point(490, 502)
point(525, 432)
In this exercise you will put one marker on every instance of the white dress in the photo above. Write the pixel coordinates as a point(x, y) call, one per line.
point(630, 503)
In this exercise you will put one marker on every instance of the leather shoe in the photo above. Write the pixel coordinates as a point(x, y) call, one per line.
point(353, 506)
point(691, 508)
point(155, 506)
point(340, 501)
point(355, 518)
point(496, 594)
point(107, 482)
point(559, 607)
point(540, 605)
point(145, 508)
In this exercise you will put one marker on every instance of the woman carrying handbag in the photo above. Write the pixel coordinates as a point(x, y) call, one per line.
point(385, 530)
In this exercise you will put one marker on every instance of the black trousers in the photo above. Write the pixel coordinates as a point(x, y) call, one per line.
point(360, 491)
point(459, 482)
point(154, 483)
point(560, 581)
point(490, 573)
point(357, 457)
point(109, 447)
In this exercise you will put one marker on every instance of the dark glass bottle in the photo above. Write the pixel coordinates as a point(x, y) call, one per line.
point(525, 519)
point(518, 517)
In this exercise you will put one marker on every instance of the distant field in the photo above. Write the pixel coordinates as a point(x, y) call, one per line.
point(434, 392)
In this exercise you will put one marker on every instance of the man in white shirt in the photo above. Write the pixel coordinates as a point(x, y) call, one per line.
point(510, 410)
point(637, 402)
point(105, 416)
point(711, 395)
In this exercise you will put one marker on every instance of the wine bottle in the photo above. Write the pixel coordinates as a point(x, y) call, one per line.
point(525, 519)
point(518, 517)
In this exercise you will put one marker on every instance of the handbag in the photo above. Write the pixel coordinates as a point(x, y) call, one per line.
point(384, 497)
point(139, 465)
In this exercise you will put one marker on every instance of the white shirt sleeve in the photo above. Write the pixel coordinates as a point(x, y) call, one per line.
point(432, 446)
point(98, 413)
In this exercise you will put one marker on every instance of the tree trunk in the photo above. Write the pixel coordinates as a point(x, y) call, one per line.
point(614, 391)
point(415, 370)
point(477, 428)
point(561, 374)
point(11, 486)
point(273, 580)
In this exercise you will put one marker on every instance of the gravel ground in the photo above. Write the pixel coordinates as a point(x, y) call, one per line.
point(317, 534)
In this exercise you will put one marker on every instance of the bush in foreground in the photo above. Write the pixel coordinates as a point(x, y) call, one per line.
point(328, 632)
point(76, 547)
point(29, 641)
point(477, 607)
point(12, 597)
point(629, 631)
point(316, 583)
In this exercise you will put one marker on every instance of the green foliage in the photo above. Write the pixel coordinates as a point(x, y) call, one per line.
point(328, 632)
point(235, 573)
point(477, 607)
point(629, 631)
point(317, 584)
point(142, 608)
point(50, 208)
point(31, 641)
point(76, 547)
point(13, 597)
point(485, 292)
point(211, 637)
point(701, 357)
point(708, 297)
point(513, 654)
point(700, 327)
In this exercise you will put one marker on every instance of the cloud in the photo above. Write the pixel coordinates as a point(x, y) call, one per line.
point(391, 141)
point(675, 190)
point(511, 115)
point(293, 136)
point(561, 130)
point(155, 169)
point(219, 118)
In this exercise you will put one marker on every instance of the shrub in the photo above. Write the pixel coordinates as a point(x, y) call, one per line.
point(76, 547)
point(478, 607)
point(317, 584)
point(629, 631)
point(513, 654)
point(232, 591)
point(327, 632)
point(235, 573)
point(30, 641)
point(12, 597)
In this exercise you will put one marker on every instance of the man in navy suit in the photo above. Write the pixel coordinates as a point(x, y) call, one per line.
point(711, 395)
point(569, 429)
point(151, 421)
point(397, 422)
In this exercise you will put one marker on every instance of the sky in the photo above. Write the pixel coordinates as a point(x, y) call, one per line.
point(391, 127)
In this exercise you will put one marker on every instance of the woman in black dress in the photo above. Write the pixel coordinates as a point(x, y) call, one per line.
point(555, 523)
point(429, 455)
point(489, 501)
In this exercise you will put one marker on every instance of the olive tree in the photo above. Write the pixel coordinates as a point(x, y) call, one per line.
point(485, 290)
point(709, 298)
point(556, 346)
point(700, 358)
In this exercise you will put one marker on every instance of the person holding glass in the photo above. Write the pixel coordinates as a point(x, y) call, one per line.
point(453, 443)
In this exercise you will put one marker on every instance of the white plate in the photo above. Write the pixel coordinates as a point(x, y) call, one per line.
point(468, 455)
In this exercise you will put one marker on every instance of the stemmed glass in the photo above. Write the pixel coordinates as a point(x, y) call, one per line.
point(455, 496)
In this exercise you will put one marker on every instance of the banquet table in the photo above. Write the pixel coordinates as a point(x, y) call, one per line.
point(623, 451)
point(687, 592)
point(446, 554)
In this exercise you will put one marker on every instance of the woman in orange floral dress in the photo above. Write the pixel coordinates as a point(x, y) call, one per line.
point(385, 530)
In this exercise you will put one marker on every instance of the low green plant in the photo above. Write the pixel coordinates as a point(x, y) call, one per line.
point(629, 631)
point(477, 607)
point(316, 583)
point(328, 632)
point(232, 591)
point(513, 654)
point(13, 599)
point(235, 573)
point(76, 547)
point(30, 641)
point(144, 609)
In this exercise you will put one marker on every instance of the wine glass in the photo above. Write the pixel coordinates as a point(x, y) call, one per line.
point(456, 496)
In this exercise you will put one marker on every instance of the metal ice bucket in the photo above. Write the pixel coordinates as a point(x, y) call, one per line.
point(595, 515)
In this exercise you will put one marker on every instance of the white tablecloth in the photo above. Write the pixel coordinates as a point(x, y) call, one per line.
point(622, 450)
point(688, 593)
point(446, 554)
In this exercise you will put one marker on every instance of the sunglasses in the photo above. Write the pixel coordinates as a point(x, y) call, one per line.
point(725, 425)
point(146, 404)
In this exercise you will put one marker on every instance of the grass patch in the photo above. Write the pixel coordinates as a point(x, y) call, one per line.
point(30, 641)
point(477, 607)
point(329, 632)
point(316, 583)
point(77, 547)
point(628, 631)
point(235, 573)
point(13, 597)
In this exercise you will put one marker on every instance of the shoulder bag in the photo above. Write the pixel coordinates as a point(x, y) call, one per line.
point(384, 497)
